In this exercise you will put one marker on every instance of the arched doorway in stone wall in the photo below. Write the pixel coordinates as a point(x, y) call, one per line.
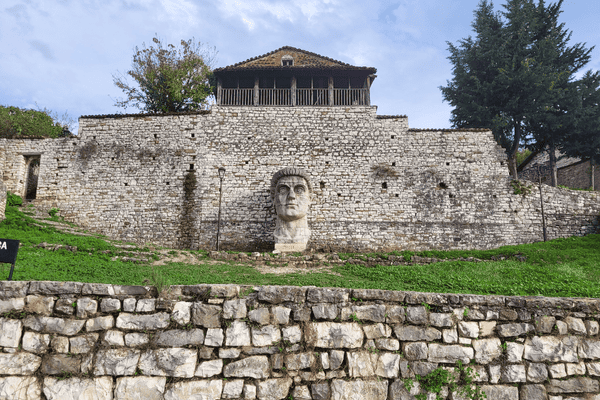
point(32, 168)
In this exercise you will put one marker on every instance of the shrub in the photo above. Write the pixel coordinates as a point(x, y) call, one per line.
point(13, 200)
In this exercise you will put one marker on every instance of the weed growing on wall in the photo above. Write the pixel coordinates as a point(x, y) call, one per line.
point(441, 378)
point(13, 200)
point(520, 187)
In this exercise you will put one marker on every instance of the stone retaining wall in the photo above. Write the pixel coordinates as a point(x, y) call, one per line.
point(378, 185)
point(68, 340)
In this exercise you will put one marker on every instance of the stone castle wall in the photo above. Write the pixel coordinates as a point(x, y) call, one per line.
point(65, 340)
point(378, 185)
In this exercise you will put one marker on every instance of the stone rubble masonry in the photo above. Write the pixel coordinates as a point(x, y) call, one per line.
point(378, 185)
point(217, 348)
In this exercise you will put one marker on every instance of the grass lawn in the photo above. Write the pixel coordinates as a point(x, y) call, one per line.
point(559, 268)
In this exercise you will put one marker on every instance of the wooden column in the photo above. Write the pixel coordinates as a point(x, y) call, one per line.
point(330, 87)
point(368, 99)
point(293, 91)
point(256, 95)
point(219, 87)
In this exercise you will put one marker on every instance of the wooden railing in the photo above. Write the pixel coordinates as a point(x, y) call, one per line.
point(283, 97)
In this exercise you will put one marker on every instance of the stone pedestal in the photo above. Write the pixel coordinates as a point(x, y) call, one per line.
point(290, 247)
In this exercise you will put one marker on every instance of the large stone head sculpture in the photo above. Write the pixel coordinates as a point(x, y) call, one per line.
point(291, 192)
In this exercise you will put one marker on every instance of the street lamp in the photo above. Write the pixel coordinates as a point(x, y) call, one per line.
point(221, 176)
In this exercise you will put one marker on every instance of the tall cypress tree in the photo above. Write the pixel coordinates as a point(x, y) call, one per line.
point(514, 72)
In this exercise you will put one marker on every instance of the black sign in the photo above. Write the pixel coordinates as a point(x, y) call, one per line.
point(8, 251)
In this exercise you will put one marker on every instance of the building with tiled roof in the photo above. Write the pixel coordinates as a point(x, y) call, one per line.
point(293, 77)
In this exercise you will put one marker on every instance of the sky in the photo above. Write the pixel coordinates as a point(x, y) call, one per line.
point(62, 54)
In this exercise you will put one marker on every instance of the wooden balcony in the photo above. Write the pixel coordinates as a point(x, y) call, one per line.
point(293, 97)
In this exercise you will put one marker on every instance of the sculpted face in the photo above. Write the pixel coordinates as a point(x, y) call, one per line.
point(292, 198)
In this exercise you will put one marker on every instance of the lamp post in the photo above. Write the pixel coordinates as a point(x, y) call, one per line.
point(221, 176)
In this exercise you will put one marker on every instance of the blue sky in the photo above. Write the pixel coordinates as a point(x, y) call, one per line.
point(61, 54)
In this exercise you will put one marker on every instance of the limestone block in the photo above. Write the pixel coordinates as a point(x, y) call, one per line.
point(145, 305)
point(35, 342)
point(61, 326)
point(576, 326)
point(110, 305)
point(129, 305)
point(292, 334)
point(260, 316)
point(281, 315)
point(545, 324)
point(327, 295)
point(179, 338)
point(100, 323)
point(140, 388)
point(83, 343)
point(256, 367)
point(336, 358)
point(325, 311)
point(182, 312)
point(533, 392)
point(589, 348)
point(369, 390)
point(468, 329)
point(591, 326)
point(374, 313)
point(359, 364)
point(415, 351)
point(557, 371)
point(301, 393)
point(395, 314)
point(12, 289)
point(486, 328)
point(265, 336)
point(501, 392)
point(56, 364)
point(377, 331)
point(416, 315)
point(388, 365)
point(10, 332)
point(409, 333)
point(513, 374)
point(449, 353)
point(513, 330)
point(495, 371)
point(143, 322)
point(398, 391)
point(12, 304)
point(237, 334)
point(214, 337)
point(282, 294)
point(113, 338)
point(537, 372)
point(441, 320)
point(249, 392)
point(514, 352)
point(175, 362)
point(20, 387)
point(573, 385)
point(78, 388)
point(202, 389)
point(576, 368)
point(39, 304)
point(209, 369)
point(233, 389)
point(86, 307)
point(551, 348)
point(450, 335)
point(561, 327)
point(324, 359)
point(334, 335)
point(20, 363)
point(60, 344)
point(229, 353)
point(296, 361)
point(136, 339)
point(387, 344)
point(118, 362)
point(274, 389)
point(235, 309)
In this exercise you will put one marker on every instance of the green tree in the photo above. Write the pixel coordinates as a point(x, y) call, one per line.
point(17, 122)
point(168, 79)
point(515, 70)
